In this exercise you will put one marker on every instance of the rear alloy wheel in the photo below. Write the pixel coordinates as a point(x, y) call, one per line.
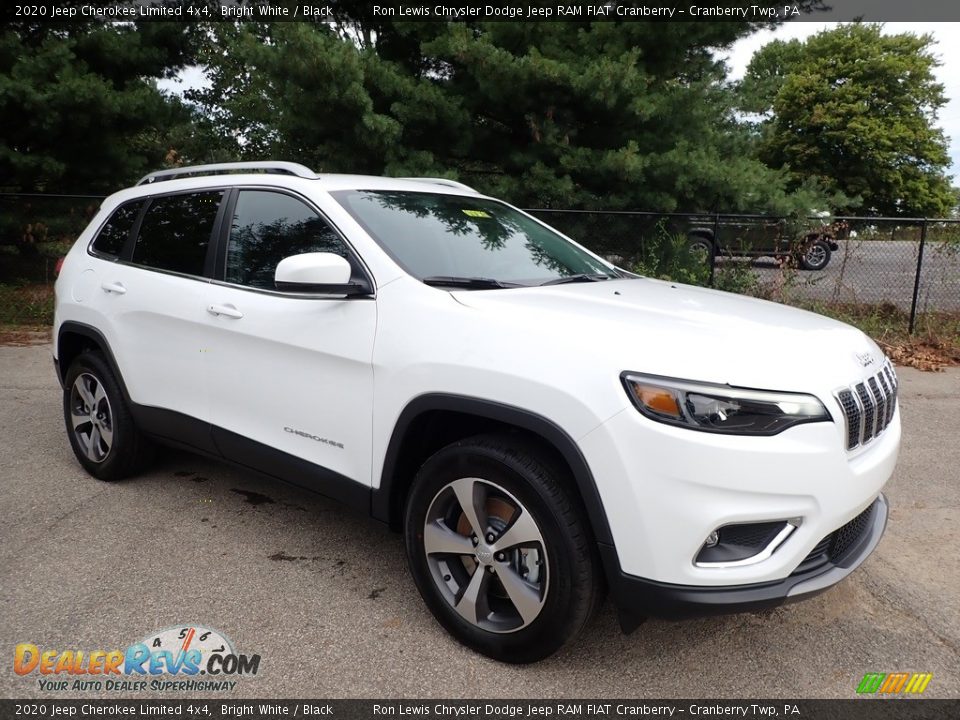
point(499, 549)
point(102, 433)
point(815, 256)
point(91, 417)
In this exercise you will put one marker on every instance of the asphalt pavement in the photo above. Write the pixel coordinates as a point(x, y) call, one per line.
point(324, 597)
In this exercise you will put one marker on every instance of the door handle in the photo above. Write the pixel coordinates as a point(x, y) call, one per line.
point(116, 288)
point(225, 310)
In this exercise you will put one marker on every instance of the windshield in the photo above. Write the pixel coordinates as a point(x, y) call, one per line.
point(443, 239)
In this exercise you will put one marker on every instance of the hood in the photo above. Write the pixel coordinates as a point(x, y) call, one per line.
point(688, 332)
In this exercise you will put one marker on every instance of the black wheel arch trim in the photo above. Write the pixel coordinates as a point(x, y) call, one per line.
point(386, 500)
point(91, 333)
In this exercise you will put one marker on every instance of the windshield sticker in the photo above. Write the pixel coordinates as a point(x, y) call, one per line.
point(476, 213)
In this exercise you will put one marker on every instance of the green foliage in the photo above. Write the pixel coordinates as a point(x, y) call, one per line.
point(854, 110)
point(740, 278)
point(572, 114)
point(34, 232)
point(666, 256)
point(768, 70)
point(79, 106)
point(23, 304)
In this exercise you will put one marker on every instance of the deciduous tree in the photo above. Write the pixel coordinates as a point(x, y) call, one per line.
point(856, 110)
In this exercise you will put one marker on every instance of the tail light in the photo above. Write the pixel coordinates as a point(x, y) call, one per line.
point(58, 266)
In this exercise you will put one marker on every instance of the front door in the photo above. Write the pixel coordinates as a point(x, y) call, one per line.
point(290, 376)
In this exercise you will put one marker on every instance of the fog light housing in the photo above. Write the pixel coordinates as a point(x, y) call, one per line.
point(743, 543)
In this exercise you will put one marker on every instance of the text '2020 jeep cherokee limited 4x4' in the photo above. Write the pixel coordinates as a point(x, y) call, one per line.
point(542, 426)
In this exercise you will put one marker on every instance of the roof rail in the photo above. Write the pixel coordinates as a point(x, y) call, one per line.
point(440, 181)
point(269, 166)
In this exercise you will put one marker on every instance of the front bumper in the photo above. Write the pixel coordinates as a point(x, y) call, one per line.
point(637, 598)
point(665, 489)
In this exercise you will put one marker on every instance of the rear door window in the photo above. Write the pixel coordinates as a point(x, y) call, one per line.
point(176, 231)
point(113, 235)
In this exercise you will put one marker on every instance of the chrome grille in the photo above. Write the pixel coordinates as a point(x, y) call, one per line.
point(868, 406)
point(869, 413)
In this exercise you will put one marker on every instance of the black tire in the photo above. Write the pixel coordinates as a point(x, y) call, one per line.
point(700, 247)
point(573, 586)
point(815, 255)
point(128, 451)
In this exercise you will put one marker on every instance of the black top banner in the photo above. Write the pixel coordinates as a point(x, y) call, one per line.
point(759, 11)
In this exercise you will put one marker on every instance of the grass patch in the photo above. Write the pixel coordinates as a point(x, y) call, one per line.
point(26, 304)
point(934, 344)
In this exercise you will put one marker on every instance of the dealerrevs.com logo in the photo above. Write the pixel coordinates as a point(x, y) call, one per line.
point(187, 658)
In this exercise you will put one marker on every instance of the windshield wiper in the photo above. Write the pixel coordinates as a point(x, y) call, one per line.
point(471, 283)
point(579, 277)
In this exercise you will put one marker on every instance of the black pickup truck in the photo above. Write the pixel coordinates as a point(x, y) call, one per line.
point(810, 249)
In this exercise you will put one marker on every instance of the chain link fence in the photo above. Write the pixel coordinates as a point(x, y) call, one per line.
point(36, 230)
point(905, 268)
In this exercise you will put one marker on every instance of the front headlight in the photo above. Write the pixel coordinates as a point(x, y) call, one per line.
point(720, 408)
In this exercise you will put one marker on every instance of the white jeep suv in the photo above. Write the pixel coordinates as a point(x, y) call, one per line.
point(542, 426)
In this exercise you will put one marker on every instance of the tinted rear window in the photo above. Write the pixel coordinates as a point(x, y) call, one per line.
point(113, 236)
point(176, 230)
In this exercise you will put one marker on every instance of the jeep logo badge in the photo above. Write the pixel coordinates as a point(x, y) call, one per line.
point(865, 359)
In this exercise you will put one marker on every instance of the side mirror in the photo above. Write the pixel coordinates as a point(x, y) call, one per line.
point(319, 272)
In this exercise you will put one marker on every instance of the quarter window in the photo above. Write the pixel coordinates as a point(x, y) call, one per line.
point(113, 236)
point(175, 232)
point(268, 227)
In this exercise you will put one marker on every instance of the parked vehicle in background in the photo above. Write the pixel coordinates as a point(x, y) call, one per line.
point(809, 249)
point(541, 425)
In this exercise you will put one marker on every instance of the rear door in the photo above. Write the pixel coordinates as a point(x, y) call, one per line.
point(154, 299)
point(290, 376)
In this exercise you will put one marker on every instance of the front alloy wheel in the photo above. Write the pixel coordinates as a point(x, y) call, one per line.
point(500, 548)
point(486, 555)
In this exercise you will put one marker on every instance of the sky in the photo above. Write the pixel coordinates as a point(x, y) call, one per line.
point(947, 49)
